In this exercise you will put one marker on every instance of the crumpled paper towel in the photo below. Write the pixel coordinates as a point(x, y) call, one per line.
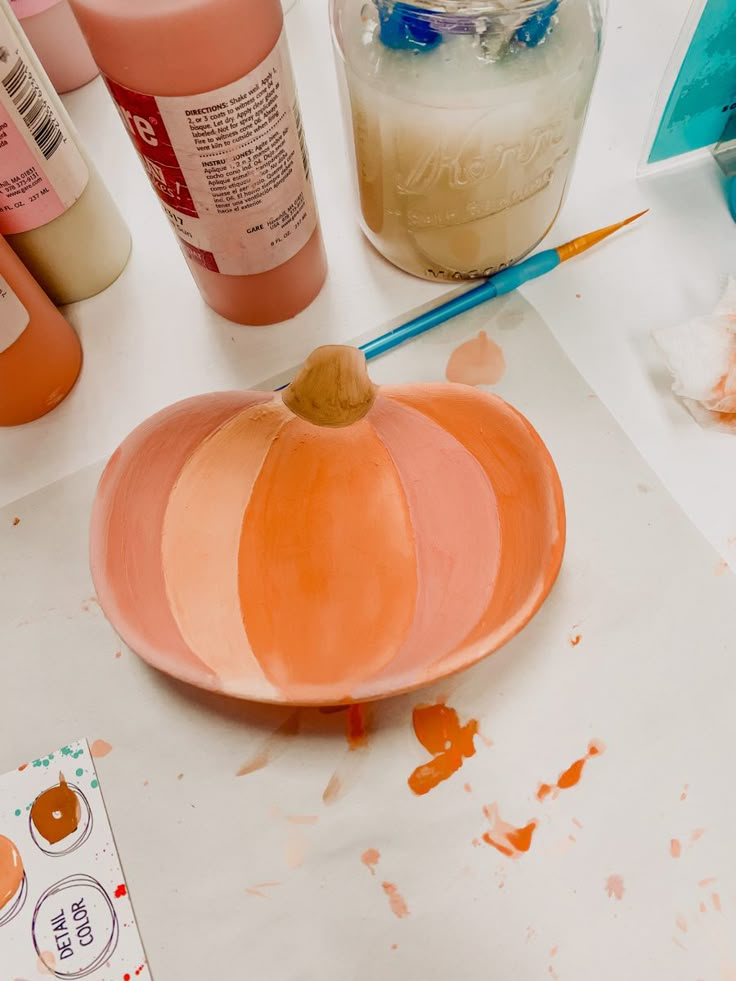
point(701, 355)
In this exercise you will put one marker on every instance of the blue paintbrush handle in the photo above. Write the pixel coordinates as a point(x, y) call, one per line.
point(505, 281)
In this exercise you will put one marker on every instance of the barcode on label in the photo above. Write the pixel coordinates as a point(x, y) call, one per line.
point(37, 114)
point(302, 142)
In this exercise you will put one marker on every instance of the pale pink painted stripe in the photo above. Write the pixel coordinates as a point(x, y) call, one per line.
point(201, 540)
point(456, 530)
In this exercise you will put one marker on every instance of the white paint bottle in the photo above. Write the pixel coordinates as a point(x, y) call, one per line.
point(55, 211)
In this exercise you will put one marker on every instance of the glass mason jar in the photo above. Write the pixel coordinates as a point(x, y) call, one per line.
point(464, 118)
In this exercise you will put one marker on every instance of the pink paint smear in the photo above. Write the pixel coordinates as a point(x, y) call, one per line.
point(479, 361)
point(615, 887)
point(396, 900)
point(370, 858)
point(100, 748)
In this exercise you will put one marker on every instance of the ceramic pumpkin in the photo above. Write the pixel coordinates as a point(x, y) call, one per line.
point(334, 543)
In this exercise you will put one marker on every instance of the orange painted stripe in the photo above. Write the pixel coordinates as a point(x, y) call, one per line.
point(327, 561)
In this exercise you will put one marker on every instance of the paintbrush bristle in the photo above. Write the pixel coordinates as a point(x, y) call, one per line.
point(585, 242)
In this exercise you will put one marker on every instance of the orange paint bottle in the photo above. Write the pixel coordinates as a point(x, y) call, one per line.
point(40, 355)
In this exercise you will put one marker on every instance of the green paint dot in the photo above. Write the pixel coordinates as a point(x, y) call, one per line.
point(18, 812)
point(80, 772)
point(45, 762)
point(94, 785)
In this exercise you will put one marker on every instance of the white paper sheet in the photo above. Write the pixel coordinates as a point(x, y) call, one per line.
point(266, 874)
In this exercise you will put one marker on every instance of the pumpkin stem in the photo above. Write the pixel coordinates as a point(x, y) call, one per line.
point(332, 388)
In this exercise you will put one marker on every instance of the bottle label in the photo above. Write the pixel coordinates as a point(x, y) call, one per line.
point(42, 173)
point(14, 317)
point(229, 166)
point(29, 8)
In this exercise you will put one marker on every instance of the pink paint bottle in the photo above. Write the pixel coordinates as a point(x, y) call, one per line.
point(206, 91)
point(57, 40)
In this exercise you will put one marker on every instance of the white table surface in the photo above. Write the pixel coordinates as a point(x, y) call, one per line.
point(652, 676)
point(149, 339)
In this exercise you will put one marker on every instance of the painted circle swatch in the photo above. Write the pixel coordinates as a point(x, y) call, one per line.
point(246, 550)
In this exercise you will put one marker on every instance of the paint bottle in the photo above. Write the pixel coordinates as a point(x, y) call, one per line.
point(51, 28)
point(54, 209)
point(40, 355)
point(206, 91)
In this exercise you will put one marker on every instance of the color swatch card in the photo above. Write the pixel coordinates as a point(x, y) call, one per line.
point(64, 906)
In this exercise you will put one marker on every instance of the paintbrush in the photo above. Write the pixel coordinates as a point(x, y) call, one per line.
point(502, 282)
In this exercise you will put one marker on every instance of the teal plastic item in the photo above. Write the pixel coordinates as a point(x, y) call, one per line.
point(731, 196)
point(705, 89)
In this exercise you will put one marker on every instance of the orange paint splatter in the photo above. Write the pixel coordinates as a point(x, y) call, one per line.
point(479, 361)
point(575, 640)
point(394, 946)
point(370, 858)
point(675, 848)
point(396, 900)
point(716, 901)
point(295, 848)
point(707, 882)
point(23, 767)
point(506, 838)
point(685, 789)
point(438, 729)
point(703, 908)
point(571, 776)
point(16, 522)
point(118, 654)
point(697, 834)
point(333, 790)
point(357, 731)
point(615, 887)
point(257, 890)
point(273, 746)
point(577, 823)
point(467, 788)
point(681, 923)
point(100, 748)
point(553, 952)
